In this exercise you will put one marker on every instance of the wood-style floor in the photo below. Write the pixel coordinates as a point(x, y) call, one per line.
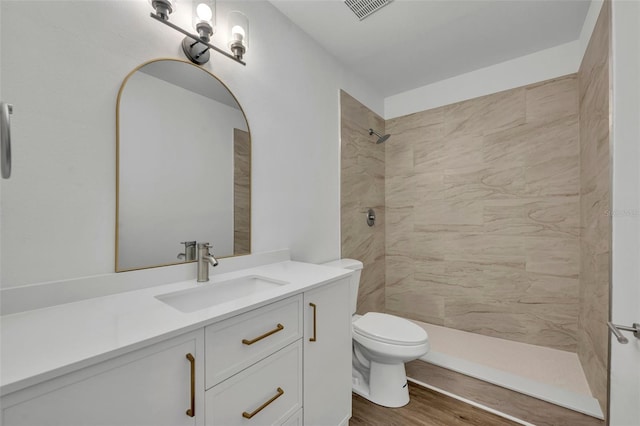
point(426, 408)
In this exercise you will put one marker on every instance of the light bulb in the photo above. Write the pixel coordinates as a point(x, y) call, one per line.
point(204, 12)
point(237, 33)
point(204, 17)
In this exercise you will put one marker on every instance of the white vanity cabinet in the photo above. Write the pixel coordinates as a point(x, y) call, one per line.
point(254, 366)
point(151, 386)
point(285, 363)
point(327, 355)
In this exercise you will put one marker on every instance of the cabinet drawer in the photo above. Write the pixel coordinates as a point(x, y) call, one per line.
point(238, 342)
point(269, 392)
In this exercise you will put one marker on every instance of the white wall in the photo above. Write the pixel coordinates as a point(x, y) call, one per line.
point(625, 155)
point(176, 171)
point(539, 66)
point(58, 217)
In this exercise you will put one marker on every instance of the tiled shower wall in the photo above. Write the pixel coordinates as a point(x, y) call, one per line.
point(241, 192)
point(593, 82)
point(362, 187)
point(483, 215)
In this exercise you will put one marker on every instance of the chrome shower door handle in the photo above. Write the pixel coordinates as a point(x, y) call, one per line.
point(615, 329)
point(5, 139)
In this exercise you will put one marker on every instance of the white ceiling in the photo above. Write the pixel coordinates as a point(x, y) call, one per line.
point(411, 43)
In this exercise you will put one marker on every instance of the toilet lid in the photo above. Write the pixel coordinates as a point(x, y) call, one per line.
point(389, 329)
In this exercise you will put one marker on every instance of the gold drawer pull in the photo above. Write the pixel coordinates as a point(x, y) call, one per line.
point(315, 308)
point(192, 411)
point(263, 406)
point(279, 327)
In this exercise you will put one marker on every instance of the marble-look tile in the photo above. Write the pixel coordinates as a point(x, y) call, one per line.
point(399, 158)
point(428, 247)
point(481, 182)
point(506, 219)
point(371, 302)
point(594, 85)
point(428, 152)
point(555, 177)
point(553, 256)
point(415, 120)
point(429, 186)
point(400, 191)
point(488, 249)
point(553, 216)
point(483, 211)
point(552, 99)
point(399, 231)
point(553, 140)
point(399, 270)
point(544, 288)
point(548, 324)
point(442, 215)
point(486, 114)
point(462, 150)
point(362, 186)
point(241, 192)
point(415, 303)
point(533, 143)
point(492, 179)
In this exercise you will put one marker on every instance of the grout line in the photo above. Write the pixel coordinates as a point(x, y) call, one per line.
point(472, 403)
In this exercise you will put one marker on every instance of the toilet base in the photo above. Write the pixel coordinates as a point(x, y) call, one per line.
point(387, 385)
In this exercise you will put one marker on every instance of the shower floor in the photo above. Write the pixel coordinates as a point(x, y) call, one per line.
point(549, 374)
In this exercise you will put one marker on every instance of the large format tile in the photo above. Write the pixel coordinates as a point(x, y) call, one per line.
point(362, 186)
point(594, 86)
point(552, 99)
point(487, 218)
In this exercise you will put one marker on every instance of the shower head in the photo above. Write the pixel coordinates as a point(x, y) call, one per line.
point(380, 138)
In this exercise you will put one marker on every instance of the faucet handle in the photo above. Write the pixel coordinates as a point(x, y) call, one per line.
point(203, 249)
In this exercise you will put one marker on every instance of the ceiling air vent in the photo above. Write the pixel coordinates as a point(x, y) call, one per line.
point(364, 8)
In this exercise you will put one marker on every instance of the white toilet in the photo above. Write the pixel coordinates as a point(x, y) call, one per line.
point(382, 343)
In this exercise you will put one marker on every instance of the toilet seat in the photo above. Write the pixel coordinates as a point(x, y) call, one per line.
point(389, 329)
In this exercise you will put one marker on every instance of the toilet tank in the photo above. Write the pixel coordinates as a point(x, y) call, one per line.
point(354, 283)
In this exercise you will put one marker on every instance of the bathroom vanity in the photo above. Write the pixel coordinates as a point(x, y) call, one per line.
point(278, 355)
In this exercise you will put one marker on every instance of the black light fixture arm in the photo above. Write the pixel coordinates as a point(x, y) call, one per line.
point(196, 38)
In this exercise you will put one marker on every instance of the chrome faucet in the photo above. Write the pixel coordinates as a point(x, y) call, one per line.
point(204, 259)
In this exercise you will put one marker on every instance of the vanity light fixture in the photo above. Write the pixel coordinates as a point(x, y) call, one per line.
point(197, 46)
point(238, 33)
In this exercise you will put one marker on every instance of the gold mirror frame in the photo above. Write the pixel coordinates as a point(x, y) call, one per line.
point(117, 224)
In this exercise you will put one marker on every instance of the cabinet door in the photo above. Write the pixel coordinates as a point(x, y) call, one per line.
point(151, 386)
point(327, 355)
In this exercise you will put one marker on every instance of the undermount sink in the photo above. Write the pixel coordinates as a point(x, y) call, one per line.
point(207, 295)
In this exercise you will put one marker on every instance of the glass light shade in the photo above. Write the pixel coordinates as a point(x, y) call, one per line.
point(204, 12)
point(238, 33)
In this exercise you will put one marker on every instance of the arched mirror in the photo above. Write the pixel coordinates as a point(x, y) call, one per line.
point(183, 167)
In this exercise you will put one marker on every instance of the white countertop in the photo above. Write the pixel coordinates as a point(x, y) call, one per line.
point(41, 344)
